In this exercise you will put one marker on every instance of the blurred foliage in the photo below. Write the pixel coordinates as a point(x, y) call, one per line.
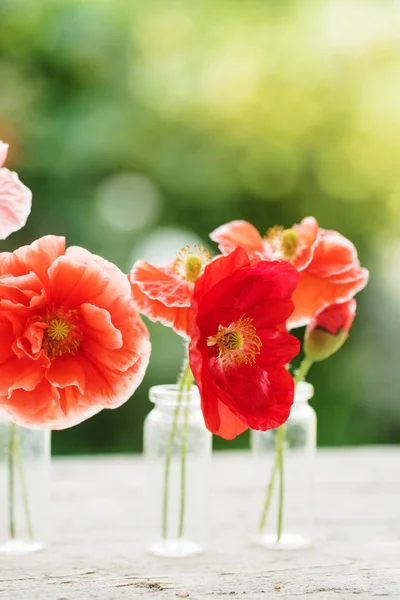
point(138, 124)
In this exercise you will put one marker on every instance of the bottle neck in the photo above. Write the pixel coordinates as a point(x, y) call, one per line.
point(304, 391)
point(168, 397)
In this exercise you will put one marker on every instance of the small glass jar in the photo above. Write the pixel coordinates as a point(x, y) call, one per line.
point(24, 488)
point(286, 456)
point(177, 448)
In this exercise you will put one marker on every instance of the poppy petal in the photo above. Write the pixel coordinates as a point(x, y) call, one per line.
point(3, 153)
point(315, 293)
point(15, 202)
point(238, 234)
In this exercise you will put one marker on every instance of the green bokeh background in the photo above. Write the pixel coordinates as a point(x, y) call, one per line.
point(142, 126)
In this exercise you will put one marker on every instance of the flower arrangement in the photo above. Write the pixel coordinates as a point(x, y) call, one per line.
point(330, 276)
point(233, 309)
point(73, 342)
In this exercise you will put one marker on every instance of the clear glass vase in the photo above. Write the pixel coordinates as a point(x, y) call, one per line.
point(177, 448)
point(285, 457)
point(24, 488)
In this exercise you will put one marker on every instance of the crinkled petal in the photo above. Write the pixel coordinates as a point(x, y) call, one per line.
point(307, 230)
point(36, 257)
point(333, 254)
point(75, 283)
point(21, 373)
point(33, 408)
point(15, 202)
point(177, 317)
point(67, 371)
point(238, 234)
point(315, 293)
point(3, 153)
point(260, 398)
point(160, 283)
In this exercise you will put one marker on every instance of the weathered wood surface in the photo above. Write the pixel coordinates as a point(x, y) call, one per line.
point(97, 549)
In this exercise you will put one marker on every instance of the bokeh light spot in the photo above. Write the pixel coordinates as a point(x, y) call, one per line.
point(128, 202)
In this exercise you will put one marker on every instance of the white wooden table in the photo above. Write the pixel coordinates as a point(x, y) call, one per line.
point(97, 550)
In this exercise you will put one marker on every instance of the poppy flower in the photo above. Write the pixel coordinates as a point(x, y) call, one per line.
point(333, 276)
point(295, 245)
point(328, 330)
point(239, 345)
point(71, 341)
point(329, 268)
point(15, 199)
point(164, 293)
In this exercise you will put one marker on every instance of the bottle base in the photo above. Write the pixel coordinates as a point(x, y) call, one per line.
point(175, 548)
point(287, 541)
point(20, 547)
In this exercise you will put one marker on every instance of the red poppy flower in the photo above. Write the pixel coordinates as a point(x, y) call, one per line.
point(71, 341)
point(15, 199)
point(295, 245)
point(329, 268)
point(333, 276)
point(239, 344)
point(164, 293)
point(329, 329)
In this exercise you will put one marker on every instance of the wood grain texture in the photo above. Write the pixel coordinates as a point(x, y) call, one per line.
point(98, 551)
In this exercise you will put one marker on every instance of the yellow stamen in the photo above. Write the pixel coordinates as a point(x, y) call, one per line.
point(284, 242)
point(290, 240)
point(62, 334)
point(238, 343)
point(191, 262)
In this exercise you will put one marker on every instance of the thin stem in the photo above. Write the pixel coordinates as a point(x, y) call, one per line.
point(303, 369)
point(270, 489)
point(182, 507)
point(24, 491)
point(300, 374)
point(280, 447)
point(168, 452)
point(11, 479)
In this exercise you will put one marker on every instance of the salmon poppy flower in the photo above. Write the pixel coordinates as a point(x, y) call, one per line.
point(164, 293)
point(328, 330)
point(329, 268)
point(239, 345)
point(295, 245)
point(15, 199)
point(71, 341)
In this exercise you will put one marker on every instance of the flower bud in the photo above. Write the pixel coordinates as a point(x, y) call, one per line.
point(328, 330)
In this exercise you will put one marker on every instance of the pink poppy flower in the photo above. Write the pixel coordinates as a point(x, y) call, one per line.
point(15, 198)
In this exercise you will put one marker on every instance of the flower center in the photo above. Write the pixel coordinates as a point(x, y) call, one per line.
point(58, 330)
point(237, 344)
point(284, 242)
point(62, 334)
point(191, 262)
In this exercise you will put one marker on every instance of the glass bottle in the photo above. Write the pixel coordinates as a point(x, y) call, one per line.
point(24, 488)
point(177, 448)
point(285, 457)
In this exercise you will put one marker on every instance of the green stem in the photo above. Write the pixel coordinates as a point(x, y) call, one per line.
point(278, 465)
point(24, 491)
point(182, 507)
point(303, 369)
point(300, 374)
point(11, 479)
point(280, 447)
point(168, 452)
point(270, 489)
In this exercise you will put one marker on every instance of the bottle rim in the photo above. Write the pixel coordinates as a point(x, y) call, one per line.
point(168, 395)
